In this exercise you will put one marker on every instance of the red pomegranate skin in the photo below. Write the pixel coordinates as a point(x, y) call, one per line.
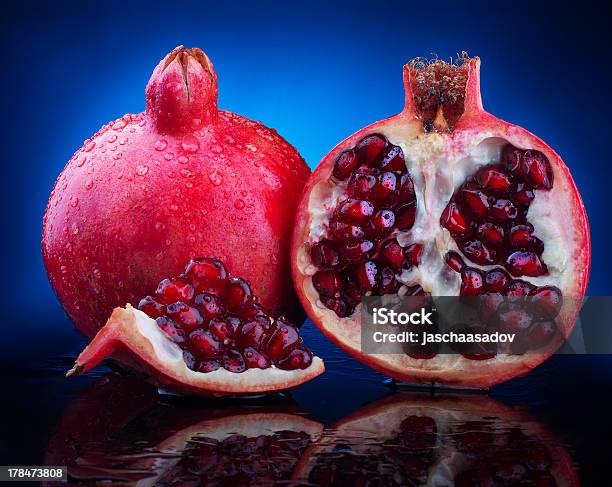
point(183, 179)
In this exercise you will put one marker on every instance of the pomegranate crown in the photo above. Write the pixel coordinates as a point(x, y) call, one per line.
point(439, 93)
point(182, 92)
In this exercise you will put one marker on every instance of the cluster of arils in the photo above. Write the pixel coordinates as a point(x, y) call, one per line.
point(487, 215)
point(218, 322)
point(403, 460)
point(238, 460)
point(360, 255)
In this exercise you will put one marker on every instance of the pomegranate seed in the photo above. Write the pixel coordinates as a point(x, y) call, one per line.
point(361, 185)
point(205, 272)
point(503, 210)
point(368, 275)
point(546, 301)
point(512, 318)
point(251, 310)
point(345, 164)
point(282, 340)
point(209, 305)
point(255, 359)
point(357, 212)
point(405, 192)
point(488, 304)
point(151, 307)
point(174, 289)
point(541, 333)
point(538, 457)
point(370, 149)
point(385, 189)
point(491, 233)
point(520, 236)
point(382, 222)
point(472, 282)
point(327, 283)
point(388, 284)
point(351, 293)
point(523, 195)
point(209, 365)
point(234, 361)
point(298, 358)
point(454, 261)
point(492, 179)
point(496, 280)
point(204, 343)
point(186, 316)
point(338, 306)
point(189, 359)
point(357, 251)
point(521, 263)
point(512, 159)
point(519, 288)
point(453, 220)
point(393, 254)
point(344, 232)
point(253, 332)
point(405, 215)
point(393, 160)
point(477, 252)
point(222, 330)
point(174, 332)
point(324, 254)
point(476, 201)
point(413, 254)
point(237, 293)
point(537, 170)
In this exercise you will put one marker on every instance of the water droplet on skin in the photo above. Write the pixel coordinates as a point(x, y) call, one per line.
point(173, 207)
point(63, 269)
point(159, 226)
point(251, 147)
point(120, 175)
point(171, 174)
point(90, 146)
point(185, 173)
point(168, 242)
point(239, 204)
point(75, 229)
point(243, 192)
point(189, 184)
point(81, 161)
point(142, 170)
point(216, 178)
point(168, 156)
point(216, 148)
point(123, 141)
point(160, 145)
point(183, 160)
point(74, 202)
point(89, 184)
point(192, 227)
point(118, 156)
point(97, 274)
point(118, 125)
point(190, 144)
point(112, 138)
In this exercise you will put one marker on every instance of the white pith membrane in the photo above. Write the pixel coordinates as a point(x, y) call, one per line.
point(249, 425)
point(439, 162)
point(129, 329)
point(368, 428)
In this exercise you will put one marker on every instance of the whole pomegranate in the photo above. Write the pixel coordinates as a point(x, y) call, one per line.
point(183, 179)
point(443, 199)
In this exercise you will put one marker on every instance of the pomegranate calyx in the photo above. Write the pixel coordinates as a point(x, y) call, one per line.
point(439, 93)
point(182, 92)
point(132, 336)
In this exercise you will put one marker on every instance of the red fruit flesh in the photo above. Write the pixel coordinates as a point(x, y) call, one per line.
point(150, 190)
point(420, 439)
point(204, 334)
point(445, 200)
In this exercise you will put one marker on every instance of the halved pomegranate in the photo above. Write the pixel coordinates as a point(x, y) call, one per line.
point(204, 332)
point(117, 431)
point(443, 199)
point(417, 439)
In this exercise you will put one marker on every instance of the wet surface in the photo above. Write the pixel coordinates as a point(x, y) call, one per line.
point(347, 427)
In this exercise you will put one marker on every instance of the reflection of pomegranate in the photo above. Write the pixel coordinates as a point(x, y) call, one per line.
point(204, 332)
point(134, 438)
point(417, 439)
point(443, 199)
point(149, 191)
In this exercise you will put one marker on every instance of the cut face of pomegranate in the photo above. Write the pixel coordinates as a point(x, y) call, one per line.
point(429, 440)
point(205, 332)
point(443, 199)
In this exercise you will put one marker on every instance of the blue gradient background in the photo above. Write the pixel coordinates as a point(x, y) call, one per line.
point(315, 71)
